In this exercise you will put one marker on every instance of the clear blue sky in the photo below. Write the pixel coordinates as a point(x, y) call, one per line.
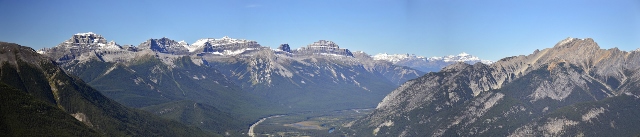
point(488, 29)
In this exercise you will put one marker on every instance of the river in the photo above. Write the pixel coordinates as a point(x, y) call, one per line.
point(251, 133)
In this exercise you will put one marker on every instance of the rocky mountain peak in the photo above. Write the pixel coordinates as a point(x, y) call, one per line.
point(164, 45)
point(323, 47)
point(183, 43)
point(11, 53)
point(324, 43)
point(456, 66)
point(285, 48)
point(78, 44)
point(224, 45)
point(576, 43)
point(88, 38)
point(111, 45)
point(363, 55)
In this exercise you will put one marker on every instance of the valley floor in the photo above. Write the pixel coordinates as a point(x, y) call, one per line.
point(333, 123)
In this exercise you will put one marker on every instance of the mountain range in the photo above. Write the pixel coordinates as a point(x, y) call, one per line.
point(229, 82)
point(572, 89)
point(220, 86)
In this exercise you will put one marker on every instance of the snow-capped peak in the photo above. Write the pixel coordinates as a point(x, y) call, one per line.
point(85, 34)
point(184, 44)
point(462, 57)
point(394, 58)
point(226, 40)
point(199, 44)
point(41, 51)
point(83, 39)
point(111, 45)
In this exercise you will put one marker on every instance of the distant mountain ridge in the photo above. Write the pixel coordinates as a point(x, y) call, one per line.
point(322, 47)
point(431, 64)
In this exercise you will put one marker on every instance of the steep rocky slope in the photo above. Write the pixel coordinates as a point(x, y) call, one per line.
point(572, 89)
point(149, 81)
point(48, 101)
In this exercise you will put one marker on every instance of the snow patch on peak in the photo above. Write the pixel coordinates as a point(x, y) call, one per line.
point(394, 58)
point(234, 52)
point(85, 34)
point(198, 44)
point(111, 45)
point(224, 41)
point(185, 45)
point(567, 40)
point(462, 57)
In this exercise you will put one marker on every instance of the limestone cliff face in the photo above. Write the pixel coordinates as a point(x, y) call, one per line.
point(164, 45)
point(323, 47)
point(224, 46)
point(78, 44)
point(479, 99)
